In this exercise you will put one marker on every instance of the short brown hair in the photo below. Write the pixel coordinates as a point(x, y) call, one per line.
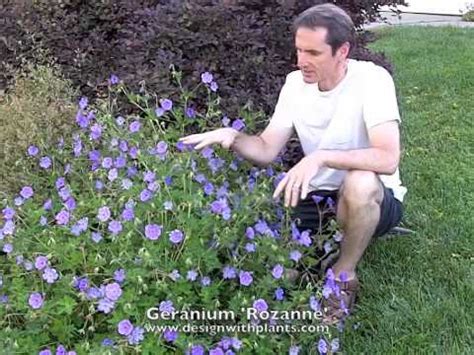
point(337, 22)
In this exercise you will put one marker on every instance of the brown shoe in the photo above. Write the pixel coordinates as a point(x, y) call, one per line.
point(341, 300)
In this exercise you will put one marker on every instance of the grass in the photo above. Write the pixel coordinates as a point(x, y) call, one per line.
point(417, 291)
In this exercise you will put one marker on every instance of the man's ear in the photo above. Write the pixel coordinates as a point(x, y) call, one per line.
point(344, 50)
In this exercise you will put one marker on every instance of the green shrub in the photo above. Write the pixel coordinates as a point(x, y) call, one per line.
point(37, 109)
point(468, 16)
point(120, 218)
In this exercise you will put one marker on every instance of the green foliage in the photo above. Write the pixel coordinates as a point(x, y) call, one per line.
point(38, 109)
point(132, 165)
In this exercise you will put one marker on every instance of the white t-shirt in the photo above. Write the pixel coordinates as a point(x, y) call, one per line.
point(340, 118)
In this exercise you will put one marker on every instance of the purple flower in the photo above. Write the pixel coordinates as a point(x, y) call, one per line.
point(33, 150)
point(314, 304)
point(191, 275)
point(35, 300)
point(317, 199)
point(81, 120)
point(250, 247)
point(335, 345)
point(70, 203)
point(229, 272)
point(43, 221)
point(168, 180)
point(107, 162)
point(127, 184)
point(206, 78)
point(136, 336)
point(327, 247)
point(48, 204)
point(134, 126)
point(99, 185)
point(294, 350)
point(166, 306)
point(128, 214)
point(119, 275)
point(304, 239)
point(96, 237)
point(107, 342)
point(170, 335)
point(214, 86)
point(26, 192)
point(159, 112)
point(207, 152)
point(103, 214)
point(124, 327)
point(277, 271)
point(7, 248)
point(176, 236)
point(113, 291)
point(112, 175)
point(8, 213)
point(153, 231)
point(45, 162)
point(261, 227)
point(190, 112)
point(225, 121)
point(83, 102)
point(208, 188)
point(45, 352)
point(120, 120)
point(196, 350)
point(175, 275)
point(322, 346)
point(205, 281)
point(96, 131)
point(50, 275)
point(62, 217)
point(279, 294)
point(250, 233)
point(61, 350)
point(245, 278)
point(168, 205)
point(115, 227)
point(8, 228)
point(295, 255)
point(166, 104)
point(260, 305)
point(41, 262)
point(238, 124)
point(161, 148)
point(145, 195)
point(113, 80)
point(105, 305)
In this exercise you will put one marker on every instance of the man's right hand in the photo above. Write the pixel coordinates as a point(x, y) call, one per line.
point(223, 136)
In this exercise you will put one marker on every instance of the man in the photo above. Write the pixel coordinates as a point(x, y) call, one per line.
point(346, 116)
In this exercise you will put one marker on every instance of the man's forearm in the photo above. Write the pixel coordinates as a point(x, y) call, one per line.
point(252, 148)
point(370, 159)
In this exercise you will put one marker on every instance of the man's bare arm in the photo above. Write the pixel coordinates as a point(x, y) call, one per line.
point(382, 157)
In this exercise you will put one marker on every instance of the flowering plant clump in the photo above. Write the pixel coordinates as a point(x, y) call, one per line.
point(122, 218)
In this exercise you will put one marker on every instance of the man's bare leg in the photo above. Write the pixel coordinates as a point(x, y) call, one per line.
point(358, 213)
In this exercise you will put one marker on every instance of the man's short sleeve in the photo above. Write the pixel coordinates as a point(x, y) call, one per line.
point(283, 115)
point(380, 99)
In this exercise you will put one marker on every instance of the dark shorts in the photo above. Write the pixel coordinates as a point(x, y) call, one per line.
point(309, 215)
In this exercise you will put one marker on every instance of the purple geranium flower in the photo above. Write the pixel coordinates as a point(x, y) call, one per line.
point(176, 236)
point(205, 281)
point(145, 195)
point(96, 131)
point(134, 126)
point(62, 217)
point(196, 350)
point(206, 78)
point(136, 336)
point(245, 278)
point(190, 112)
point(115, 227)
point(322, 346)
point(105, 305)
point(114, 79)
point(295, 255)
point(8, 213)
point(260, 305)
point(191, 275)
point(7, 248)
point(314, 304)
point(45, 162)
point(279, 294)
point(238, 124)
point(153, 231)
point(36, 300)
point(229, 272)
point(170, 335)
point(41, 262)
point(113, 291)
point(103, 214)
point(33, 150)
point(125, 327)
point(166, 104)
point(166, 306)
point(277, 271)
point(96, 237)
point(214, 86)
point(159, 112)
point(128, 214)
point(119, 275)
point(50, 275)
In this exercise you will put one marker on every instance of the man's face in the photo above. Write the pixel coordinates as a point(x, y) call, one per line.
point(315, 59)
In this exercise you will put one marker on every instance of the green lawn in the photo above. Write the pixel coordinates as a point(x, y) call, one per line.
point(417, 293)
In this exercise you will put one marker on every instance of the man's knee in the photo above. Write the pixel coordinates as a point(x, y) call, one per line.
point(361, 187)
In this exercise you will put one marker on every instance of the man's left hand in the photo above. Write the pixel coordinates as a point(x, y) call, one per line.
point(296, 181)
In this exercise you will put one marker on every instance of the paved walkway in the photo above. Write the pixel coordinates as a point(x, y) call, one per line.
point(419, 20)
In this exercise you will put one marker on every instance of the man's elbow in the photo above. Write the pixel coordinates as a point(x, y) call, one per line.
point(391, 165)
